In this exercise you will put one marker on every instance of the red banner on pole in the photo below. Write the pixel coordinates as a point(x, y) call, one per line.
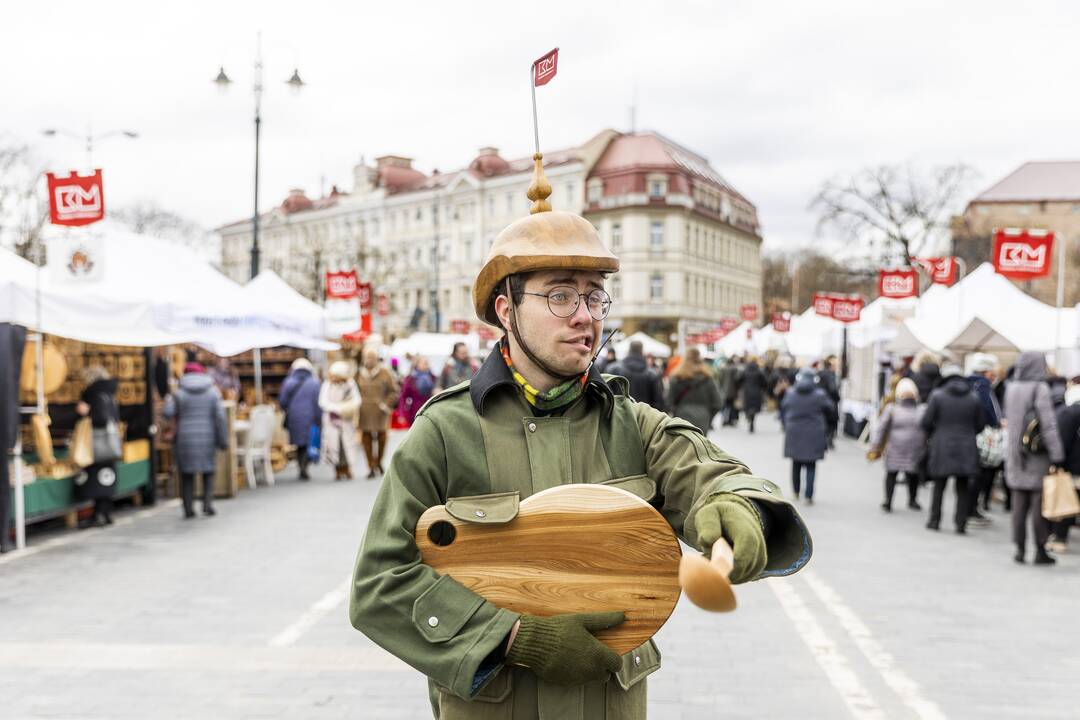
point(363, 294)
point(781, 322)
point(459, 327)
point(544, 68)
point(846, 309)
point(728, 324)
point(1022, 254)
point(748, 312)
point(341, 285)
point(823, 303)
point(942, 270)
point(76, 200)
point(898, 283)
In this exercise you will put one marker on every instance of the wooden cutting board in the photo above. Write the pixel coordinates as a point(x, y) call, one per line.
point(572, 548)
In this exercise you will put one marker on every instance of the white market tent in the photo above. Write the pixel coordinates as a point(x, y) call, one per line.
point(150, 292)
point(268, 292)
point(436, 347)
point(649, 345)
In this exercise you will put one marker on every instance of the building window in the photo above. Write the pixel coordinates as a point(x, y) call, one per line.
point(491, 204)
point(596, 190)
point(656, 287)
point(616, 288)
point(509, 203)
point(570, 194)
point(616, 237)
point(656, 188)
point(656, 236)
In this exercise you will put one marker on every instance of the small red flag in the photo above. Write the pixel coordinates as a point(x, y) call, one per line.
point(898, 283)
point(545, 68)
point(76, 200)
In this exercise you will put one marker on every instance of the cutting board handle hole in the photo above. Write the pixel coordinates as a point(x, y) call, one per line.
point(441, 533)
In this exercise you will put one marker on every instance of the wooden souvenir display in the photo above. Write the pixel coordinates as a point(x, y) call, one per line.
point(572, 548)
point(56, 368)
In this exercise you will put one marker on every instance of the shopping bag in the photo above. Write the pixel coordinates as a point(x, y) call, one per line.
point(991, 444)
point(106, 443)
point(1059, 499)
point(314, 443)
point(398, 421)
point(82, 443)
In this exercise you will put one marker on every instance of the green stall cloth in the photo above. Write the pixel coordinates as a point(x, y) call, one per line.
point(50, 496)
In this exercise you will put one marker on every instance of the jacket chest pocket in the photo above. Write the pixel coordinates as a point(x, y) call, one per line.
point(641, 485)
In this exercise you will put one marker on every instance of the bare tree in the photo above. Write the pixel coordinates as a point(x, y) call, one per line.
point(789, 280)
point(24, 206)
point(146, 217)
point(897, 212)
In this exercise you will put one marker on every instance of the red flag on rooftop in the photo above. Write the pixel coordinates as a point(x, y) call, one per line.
point(544, 69)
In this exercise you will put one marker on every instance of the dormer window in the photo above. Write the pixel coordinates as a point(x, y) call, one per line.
point(657, 186)
point(595, 191)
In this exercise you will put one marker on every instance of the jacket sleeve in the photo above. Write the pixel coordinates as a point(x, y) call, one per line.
point(393, 390)
point(431, 622)
point(882, 429)
point(288, 391)
point(689, 470)
point(1044, 410)
point(828, 407)
point(929, 418)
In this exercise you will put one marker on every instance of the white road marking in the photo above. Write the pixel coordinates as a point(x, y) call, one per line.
point(196, 658)
point(828, 656)
point(312, 615)
point(82, 535)
point(906, 688)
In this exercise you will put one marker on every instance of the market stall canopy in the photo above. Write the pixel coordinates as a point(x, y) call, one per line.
point(272, 294)
point(436, 347)
point(142, 291)
point(979, 336)
point(649, 345)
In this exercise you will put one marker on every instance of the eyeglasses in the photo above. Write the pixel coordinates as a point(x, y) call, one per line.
point(563, 302)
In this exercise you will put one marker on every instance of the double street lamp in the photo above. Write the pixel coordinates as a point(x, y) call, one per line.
point(89, 138)
point(223, 82)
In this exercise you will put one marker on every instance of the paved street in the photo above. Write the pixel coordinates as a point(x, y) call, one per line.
point(243, 616)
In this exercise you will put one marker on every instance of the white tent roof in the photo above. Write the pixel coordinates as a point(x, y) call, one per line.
point(979, 336)
point(150, 292)
point(269, 292)
point(649, 344)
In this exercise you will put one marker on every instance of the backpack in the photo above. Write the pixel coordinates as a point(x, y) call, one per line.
point(1031, 439)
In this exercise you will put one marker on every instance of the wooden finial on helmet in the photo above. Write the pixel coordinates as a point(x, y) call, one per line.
point(540, 189)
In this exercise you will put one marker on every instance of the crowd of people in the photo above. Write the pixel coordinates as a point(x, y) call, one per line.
point(996, 432)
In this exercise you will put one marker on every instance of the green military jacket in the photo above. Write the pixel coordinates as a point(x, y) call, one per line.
point(480, 446)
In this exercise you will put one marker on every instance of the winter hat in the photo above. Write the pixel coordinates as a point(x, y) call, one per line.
point(340, 370)
point(805, 375)
point(951, 370)
point(302, 364)
point(907, 388)
point(983, 362)
point(194, 367)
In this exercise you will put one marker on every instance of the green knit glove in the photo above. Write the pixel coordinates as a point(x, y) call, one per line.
point(561, 649)
point(734, 518)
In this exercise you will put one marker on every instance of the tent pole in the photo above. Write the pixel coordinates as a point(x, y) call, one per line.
point(1060, 301)
point(257, 355)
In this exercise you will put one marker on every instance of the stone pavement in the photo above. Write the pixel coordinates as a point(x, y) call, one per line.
point(244, 616)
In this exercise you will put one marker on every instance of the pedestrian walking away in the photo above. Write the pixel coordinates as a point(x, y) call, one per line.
point(299, 401)
point(692, 392)
point(1068, 420)
point(378, 395)
point(1033, 444)
point(752, 391)
point(727, 378)
point(990, 441)
point(339, 398)
point(900, 437)
point(200, 431)
point(415, 391)
point(536, 415)
point(952, 419)
point(97, 482)
point(805, 415)
point(646, 385)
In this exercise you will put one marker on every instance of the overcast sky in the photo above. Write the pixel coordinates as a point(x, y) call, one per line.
point(779, 96)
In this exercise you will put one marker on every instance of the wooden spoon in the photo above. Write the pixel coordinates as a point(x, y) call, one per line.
point(706, 582)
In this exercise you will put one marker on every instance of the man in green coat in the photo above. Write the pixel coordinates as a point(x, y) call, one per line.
point(537, 415)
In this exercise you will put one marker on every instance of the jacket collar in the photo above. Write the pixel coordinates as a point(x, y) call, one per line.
point(494, 374)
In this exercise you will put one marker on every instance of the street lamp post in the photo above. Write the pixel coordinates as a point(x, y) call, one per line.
point(223, 82)
point(89, 138)
point(435, 252)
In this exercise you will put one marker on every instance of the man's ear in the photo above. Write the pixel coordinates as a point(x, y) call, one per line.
point(503, 311)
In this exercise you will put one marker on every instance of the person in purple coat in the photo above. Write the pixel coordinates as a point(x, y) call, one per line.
point(416, 390)
point(299, 400)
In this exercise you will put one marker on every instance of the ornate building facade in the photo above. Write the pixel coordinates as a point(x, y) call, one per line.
point(688, 242)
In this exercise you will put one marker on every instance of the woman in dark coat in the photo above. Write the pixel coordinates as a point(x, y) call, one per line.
point(753, 391)
point(692, 392)
point(200, 431)
point(954, 416)
point(299, 401)
point(98, 481)
point(899, 432)
point(805, 414)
